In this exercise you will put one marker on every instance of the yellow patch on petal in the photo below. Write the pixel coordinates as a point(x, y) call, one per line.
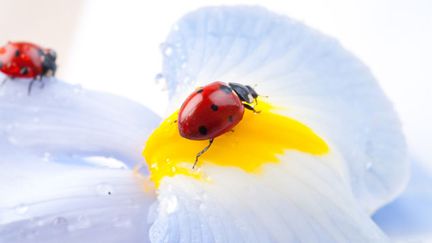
point(257, 140)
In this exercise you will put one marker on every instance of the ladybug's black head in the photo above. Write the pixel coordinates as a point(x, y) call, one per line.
point(49, 66)
point(245, 92)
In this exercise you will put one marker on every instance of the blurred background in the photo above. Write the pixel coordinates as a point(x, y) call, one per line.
point(113, 46)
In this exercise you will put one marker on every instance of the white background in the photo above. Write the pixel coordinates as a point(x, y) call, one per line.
point(114, 45)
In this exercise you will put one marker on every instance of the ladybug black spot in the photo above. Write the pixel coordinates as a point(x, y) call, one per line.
point(226, 89)
point(199, 91)
point(24, 71)
point(202, 130)
point(230, 118)
point(214, 107)
point(17, 53)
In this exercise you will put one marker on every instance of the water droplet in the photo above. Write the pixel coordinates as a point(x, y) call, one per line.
point(159, 78)
point(368, 165)
point(171, 204)
point(60, 221)
point(59, 225)
point(161, 81)
point(21, 209)
point(167, 49)
point(82, 222)
point(104, 189)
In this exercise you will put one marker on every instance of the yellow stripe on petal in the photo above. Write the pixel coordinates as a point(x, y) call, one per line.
point(257, 140)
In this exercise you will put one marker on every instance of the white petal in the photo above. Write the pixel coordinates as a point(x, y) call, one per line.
point(414, 208)
point(65, 120)
point(321, 84)
point(302, 199)
point(46, 202)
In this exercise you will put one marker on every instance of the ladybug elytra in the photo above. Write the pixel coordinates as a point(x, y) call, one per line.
point(213, 110)
point(27, 60)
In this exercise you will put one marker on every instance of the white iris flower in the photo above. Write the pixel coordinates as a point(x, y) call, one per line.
point(56, 185)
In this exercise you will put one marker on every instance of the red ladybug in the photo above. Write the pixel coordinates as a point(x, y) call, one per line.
point(27, 60)
point(213, 110)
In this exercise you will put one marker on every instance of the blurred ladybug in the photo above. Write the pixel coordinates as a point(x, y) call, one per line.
point(213, 110)
point(27, 60)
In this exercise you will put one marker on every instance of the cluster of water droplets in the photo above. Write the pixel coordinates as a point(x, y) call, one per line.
point(176, 66)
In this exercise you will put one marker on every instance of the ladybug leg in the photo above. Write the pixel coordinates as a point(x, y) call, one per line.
point(249, 107)
point(30, 86)
point(42, 84)
point(202, 152)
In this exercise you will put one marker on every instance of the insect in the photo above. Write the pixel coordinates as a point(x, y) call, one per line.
point(213, 110)
point(27, 60)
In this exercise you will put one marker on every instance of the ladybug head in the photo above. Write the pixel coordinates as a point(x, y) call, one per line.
point(245, 92)
point(49, 65)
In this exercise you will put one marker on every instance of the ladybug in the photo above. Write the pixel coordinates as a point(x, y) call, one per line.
point(213, 110)
point(27, 60)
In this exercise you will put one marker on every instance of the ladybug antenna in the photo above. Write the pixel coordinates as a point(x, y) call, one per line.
point(202, 152)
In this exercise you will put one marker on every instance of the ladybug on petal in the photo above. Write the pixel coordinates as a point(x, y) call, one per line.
point(213, 110)
point(27, 60)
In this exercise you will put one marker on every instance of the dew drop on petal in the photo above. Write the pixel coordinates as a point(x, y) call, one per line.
point(59, 224)
point(171, 205)
point(82, 222)
point(104, 189)
point(159, 78)
point(60, 221)
point(161, 81)
point(167, 49)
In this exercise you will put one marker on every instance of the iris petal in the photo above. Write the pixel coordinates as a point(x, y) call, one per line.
point(318, 82)
point(302, 199)
point(51, 202)
point(51, 189)
point(66, 120)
